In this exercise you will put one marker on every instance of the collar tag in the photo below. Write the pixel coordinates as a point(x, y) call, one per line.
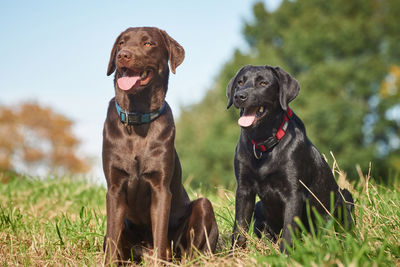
point(255, 152)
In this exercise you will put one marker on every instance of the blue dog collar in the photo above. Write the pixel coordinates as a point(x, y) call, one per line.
point(136, 118)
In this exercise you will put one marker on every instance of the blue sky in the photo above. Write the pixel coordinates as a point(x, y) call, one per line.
point(56, 53)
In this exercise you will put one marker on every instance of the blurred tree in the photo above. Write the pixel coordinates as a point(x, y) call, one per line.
point(33, 137)
point(345, 55)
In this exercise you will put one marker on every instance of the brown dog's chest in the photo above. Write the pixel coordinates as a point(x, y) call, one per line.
point(137, 150)
point(138, 201)
point(135, 158)
point(138, 159)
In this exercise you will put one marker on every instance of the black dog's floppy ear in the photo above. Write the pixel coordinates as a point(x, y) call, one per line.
point(111, 63)
point(230, 88)
point(229, 92)
point(176, 52)
point(288, 87)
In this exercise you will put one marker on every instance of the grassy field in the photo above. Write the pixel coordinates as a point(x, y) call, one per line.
point(61, 222)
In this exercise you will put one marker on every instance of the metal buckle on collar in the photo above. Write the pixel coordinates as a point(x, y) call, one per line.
point(255, 152)
point(285, 125)
point(123, 118)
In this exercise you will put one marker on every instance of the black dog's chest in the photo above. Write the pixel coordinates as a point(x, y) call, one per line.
point(268, 185)
point(267, 170)
point(273, 191)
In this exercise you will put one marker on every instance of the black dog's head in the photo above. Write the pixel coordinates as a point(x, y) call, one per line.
point(260, 90)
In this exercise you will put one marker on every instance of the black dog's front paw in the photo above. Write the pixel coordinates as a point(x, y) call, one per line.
point(238, 241)
point(282, 247)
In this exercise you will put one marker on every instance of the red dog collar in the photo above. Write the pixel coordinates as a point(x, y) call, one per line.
point(273, 140)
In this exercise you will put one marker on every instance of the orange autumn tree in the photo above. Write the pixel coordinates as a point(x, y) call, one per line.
point(35, 138)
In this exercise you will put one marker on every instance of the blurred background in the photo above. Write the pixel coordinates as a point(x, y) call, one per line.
point(54, 88)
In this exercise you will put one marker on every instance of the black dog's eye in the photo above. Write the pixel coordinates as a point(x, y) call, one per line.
point(263, 83)
point(240, 83)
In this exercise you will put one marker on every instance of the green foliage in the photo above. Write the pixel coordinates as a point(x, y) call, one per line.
point(341, 52)
point(46, 221)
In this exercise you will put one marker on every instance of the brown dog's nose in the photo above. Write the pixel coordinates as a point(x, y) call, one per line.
point(124, 56)
point(241, 97)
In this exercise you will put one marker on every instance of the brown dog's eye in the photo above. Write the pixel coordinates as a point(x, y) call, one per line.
point(148, 44)
point(263, 83)
point(240, 83)
point(121, 42)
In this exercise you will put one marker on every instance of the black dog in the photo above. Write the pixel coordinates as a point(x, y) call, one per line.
point(275, 160)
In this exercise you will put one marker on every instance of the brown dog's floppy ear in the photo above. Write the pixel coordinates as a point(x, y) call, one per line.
point(230, 88)
point(176, 52)
point(288, 87)
point(111, 63)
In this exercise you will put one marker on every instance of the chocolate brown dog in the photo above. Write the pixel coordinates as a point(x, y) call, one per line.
point(275, 160)
point(147, 207)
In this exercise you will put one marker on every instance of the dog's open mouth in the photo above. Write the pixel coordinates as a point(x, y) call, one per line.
point(133, 78)
point(250, 115)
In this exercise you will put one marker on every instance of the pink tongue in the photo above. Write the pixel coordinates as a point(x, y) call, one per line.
point(126, 83)
point(247, 119)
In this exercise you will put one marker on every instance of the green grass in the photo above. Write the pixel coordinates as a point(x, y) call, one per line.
point(62, 222)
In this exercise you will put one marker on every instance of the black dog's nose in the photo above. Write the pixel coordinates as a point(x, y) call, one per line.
point(240, 97)
point(124, 55)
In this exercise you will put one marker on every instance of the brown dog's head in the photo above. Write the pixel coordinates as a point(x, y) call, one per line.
point(140, 55)
point(260, 90)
